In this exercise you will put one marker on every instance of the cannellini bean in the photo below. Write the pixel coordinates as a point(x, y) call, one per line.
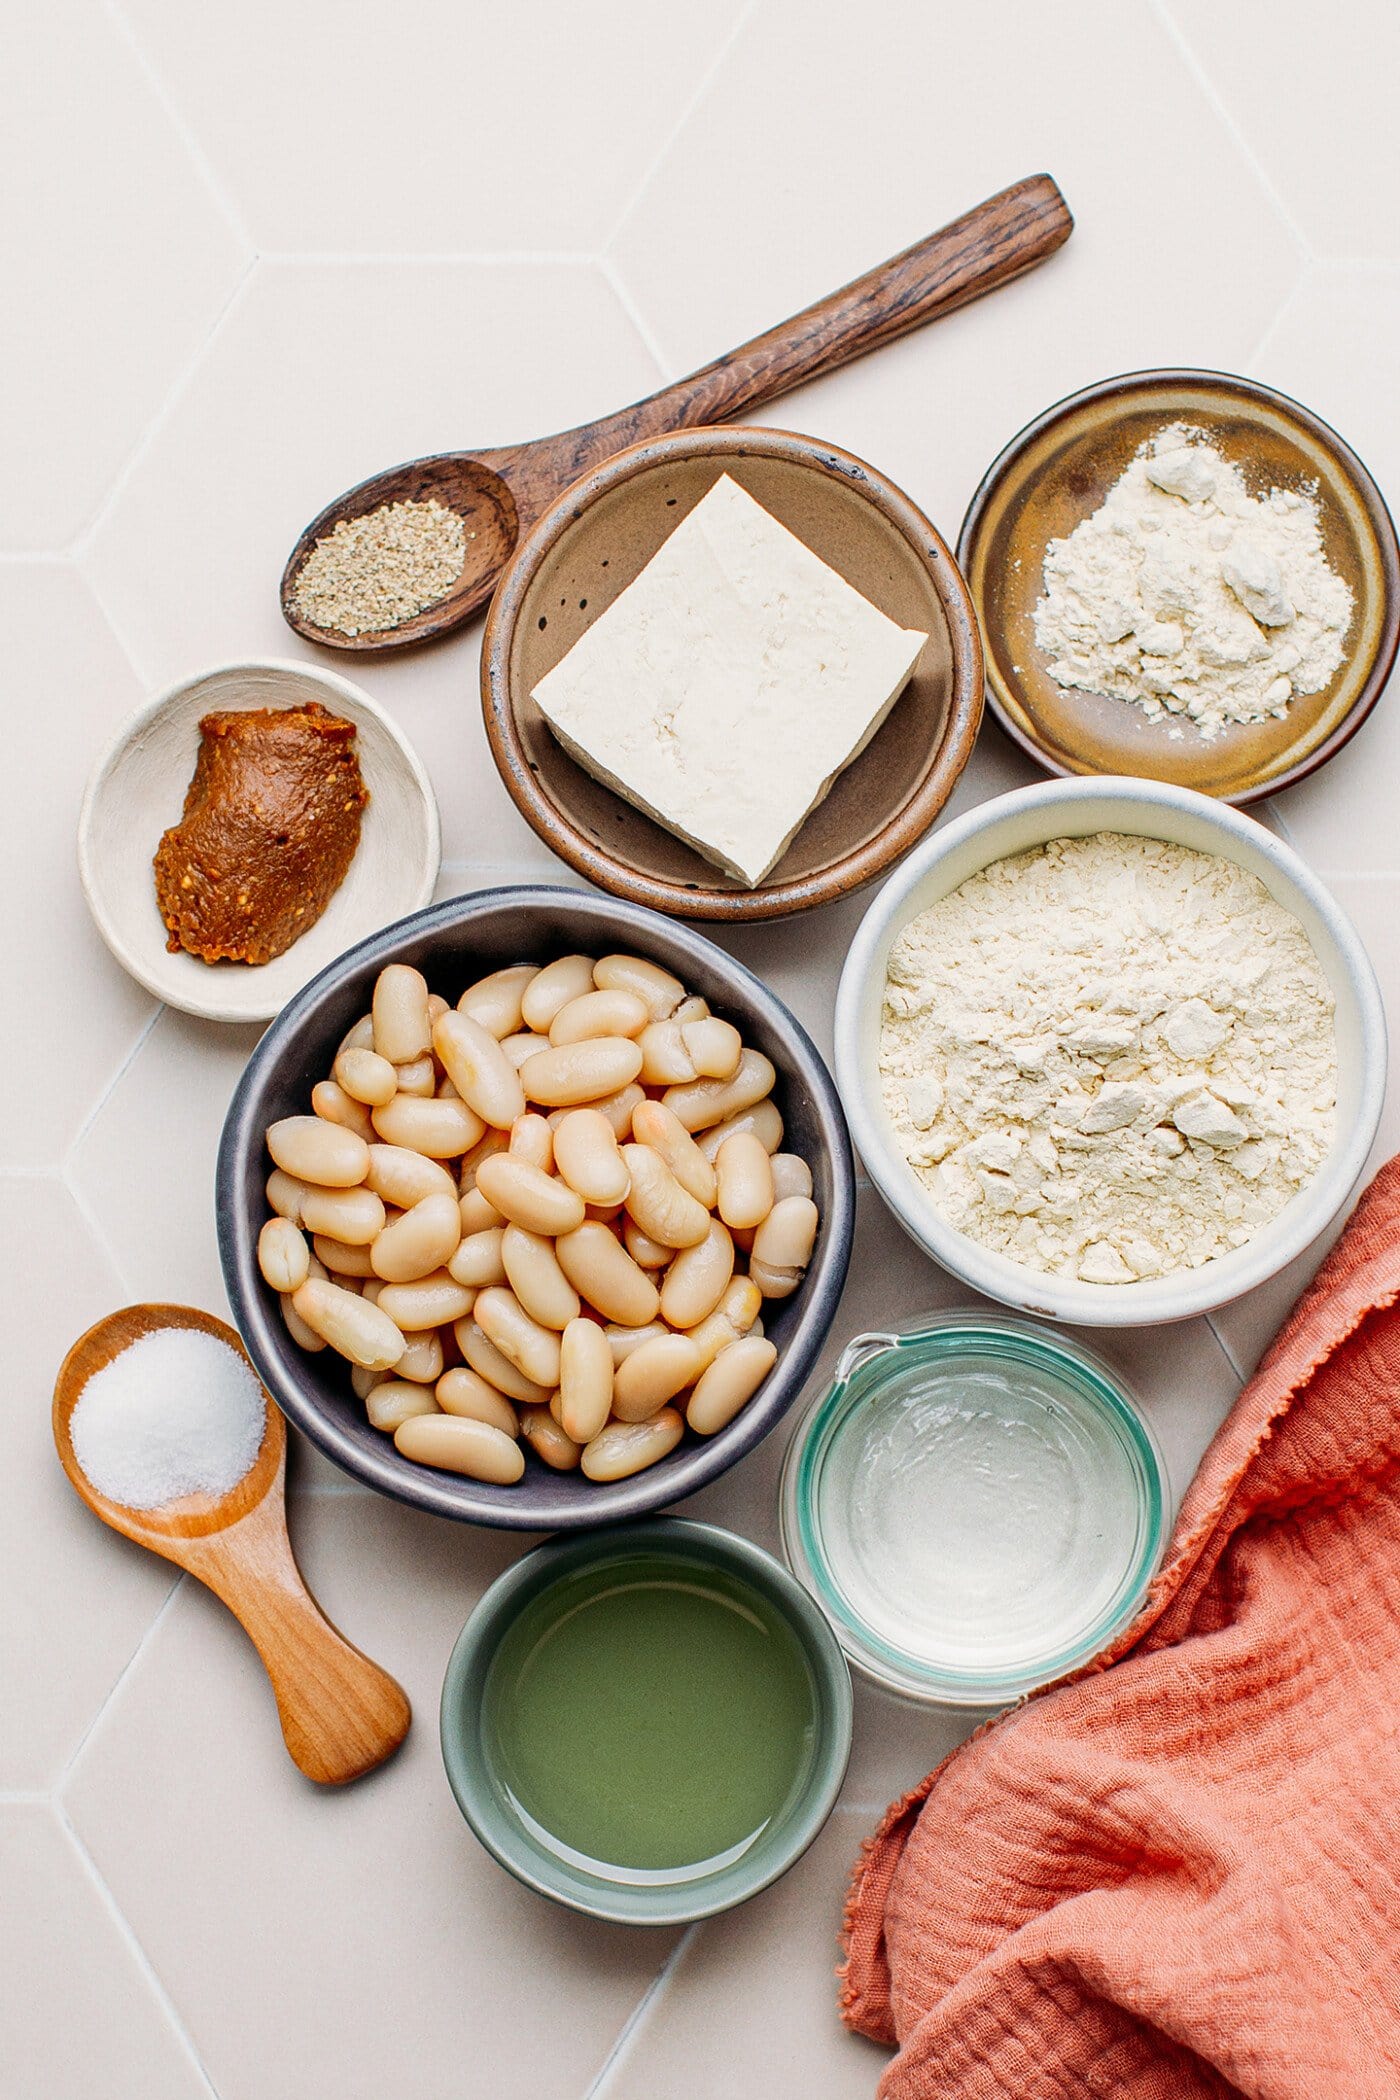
point(532, 1140)
point(286, 1195)
point(791, 1176)
point(527, 1044)
point(654, 1374)
point(458, 1444)
point(548, 1441)
point(624, 1448)
point(745, 1181)
point(581, 1071)
point(440, 1129)
point(351, 1325)
point(340, 1258)
point(479, 1069)
point(785, 1238)
point(533, 1272)
point(305, 1337)
point(477, 1261)
point(431, 1301)
point(486, 1360)
point(521, 1339)
point(402, 1025)
point(527, 1196)
point(422, 1359)
point(595, 1014)
point(664, 1210)
point(654, 1124)
point(553, 987)
point(363, 1383)
point(692, 1008)
point(659, 991)
point(604, 1273)
point(711, 1101)
point(283, 1255)
point(419, 1079)
point(665, 1058)
point(774, 1283)
point(462, 1392)
point(486, 1147)
point(360, 1037)
point(618, 1109)
point(422, 1239)
point(366, 1076)
point(314, 1150)
point(370, 1287)
point(404, 1177)
point(715, 1047)
point(763, 1120)
point(729, 1383)
point(646, 1253)
point(698, 1278)
point(477, 1214)
point(586, 1154)
point(735, 1315)
point(494, 1001)
point(395, 1400)
point(355, 1216)
point(334, 1105)
point(585, 1380)
point(623, 1340)
point(437, 1007)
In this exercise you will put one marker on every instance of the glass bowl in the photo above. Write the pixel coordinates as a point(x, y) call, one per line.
point(977, 1503)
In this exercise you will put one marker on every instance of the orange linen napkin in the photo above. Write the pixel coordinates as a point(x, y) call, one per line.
point(1178, 1876)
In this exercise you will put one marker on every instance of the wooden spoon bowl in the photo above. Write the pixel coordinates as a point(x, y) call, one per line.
point(341, 1714)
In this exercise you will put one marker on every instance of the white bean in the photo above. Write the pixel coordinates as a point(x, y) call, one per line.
point(286, 1195)
point(623, 1340)
point(314, 1150)
point(495, 1000)
point(532, 1140)
point(355, 1216)
point(735, 1315)
point(477, 1261)
point(715, 1047)
point(586, 1154)
point(477, 1214)
point(333, 1105)
point(432, 1301)
point(548, 1441)
point(404, 1177)
point(352, 1326)
point(744, 1181)
point(729, 1383)
point(791, 1176)
point(698, 1278)
point(595, 1014)
point(340, 1258)
point(785, 1238)
point(624, 1448)
point(692, 1008)
point(305, 1337)
point(773, 1282)
point(366, 1076)
point(486, 1360)
point(554, 986)
point(711, 1101)
point(479, 1069)
point(516, 1048)
point(658, 990)
point(665, 1058)
point(581, 1071)
point(763, 1120)
point(664, 1210)
point(422, 1359)
point(396, 1400)
point(533, 1273)
point(419, 1079)
point(283, 1255)
point(523, 1341)
point(646, 1253)
point(618, 1109)
point(360, 1037)
point(461, 1391)
point(486, 1147)
point(654, 1374)
point(424, 1238)
point(457, 1444)
point(439, 1129)
point(527, 1196)
point(585, 1380)
point(402, 1026)
point(604, 1273)
point(653, 1124)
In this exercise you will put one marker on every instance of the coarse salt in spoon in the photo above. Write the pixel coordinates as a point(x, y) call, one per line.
point(184, 1452)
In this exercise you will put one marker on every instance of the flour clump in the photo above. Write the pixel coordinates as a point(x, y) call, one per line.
point(1189, 597)
point(1111, 1057)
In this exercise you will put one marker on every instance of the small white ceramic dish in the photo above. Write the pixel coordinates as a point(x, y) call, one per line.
point(137, 791)
point(1150, 809)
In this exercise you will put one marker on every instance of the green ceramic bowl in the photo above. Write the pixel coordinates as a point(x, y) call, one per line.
point(648, 1724)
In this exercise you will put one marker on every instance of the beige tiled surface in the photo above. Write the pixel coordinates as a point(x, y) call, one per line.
point(254, 253)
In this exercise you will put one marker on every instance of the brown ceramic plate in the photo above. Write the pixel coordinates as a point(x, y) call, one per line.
point(601, 534)
point(1059, 470)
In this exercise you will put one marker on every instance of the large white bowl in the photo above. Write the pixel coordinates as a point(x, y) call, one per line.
point(1073, 809)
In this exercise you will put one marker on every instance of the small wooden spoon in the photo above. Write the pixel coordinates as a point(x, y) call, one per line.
point(341, 1714)
point(500, 494)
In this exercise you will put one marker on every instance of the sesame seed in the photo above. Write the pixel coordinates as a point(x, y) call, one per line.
point(374, 572)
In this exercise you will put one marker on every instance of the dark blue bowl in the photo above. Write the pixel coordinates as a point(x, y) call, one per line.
point(452, 944)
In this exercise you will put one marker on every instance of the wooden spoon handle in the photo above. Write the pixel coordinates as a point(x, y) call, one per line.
point(341, 1714)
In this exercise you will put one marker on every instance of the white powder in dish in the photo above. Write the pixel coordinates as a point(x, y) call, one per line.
point(177, 1413)
point(1110, 1057)
point(1190, 597)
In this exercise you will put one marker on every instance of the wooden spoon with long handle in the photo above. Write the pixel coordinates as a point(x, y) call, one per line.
point(499, 494)
point(341, 1714)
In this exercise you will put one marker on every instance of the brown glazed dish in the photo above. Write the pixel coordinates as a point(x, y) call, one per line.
point(270, 827)
point(1058, 470)
point(597, 538)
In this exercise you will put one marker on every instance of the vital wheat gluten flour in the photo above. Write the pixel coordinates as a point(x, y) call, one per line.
point(1111, 1057)
point(1190, 597)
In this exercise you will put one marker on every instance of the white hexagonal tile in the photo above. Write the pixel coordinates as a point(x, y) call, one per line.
point(951, 105)
point(118, 260)
point(431, 129)
point(78, 1598)
point(1334, 336)
point(146, 1164)
point(71, 686)
point(323, 374)
point(1309, 89)
point(757, 1989)
point(379, 1948)
point(77, 2014)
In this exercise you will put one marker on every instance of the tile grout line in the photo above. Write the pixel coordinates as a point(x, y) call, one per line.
point(411, 258)
point(175, 117)
point(126, 1669)
point(702, 88)
point(107, 1092)
point(612, 278)
point(1225, 1350)
point(1211, 93)
point(96, 1228)
point(640, 2010)
point(143, 1960)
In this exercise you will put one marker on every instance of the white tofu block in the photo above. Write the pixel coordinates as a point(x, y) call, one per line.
point(729, 684)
